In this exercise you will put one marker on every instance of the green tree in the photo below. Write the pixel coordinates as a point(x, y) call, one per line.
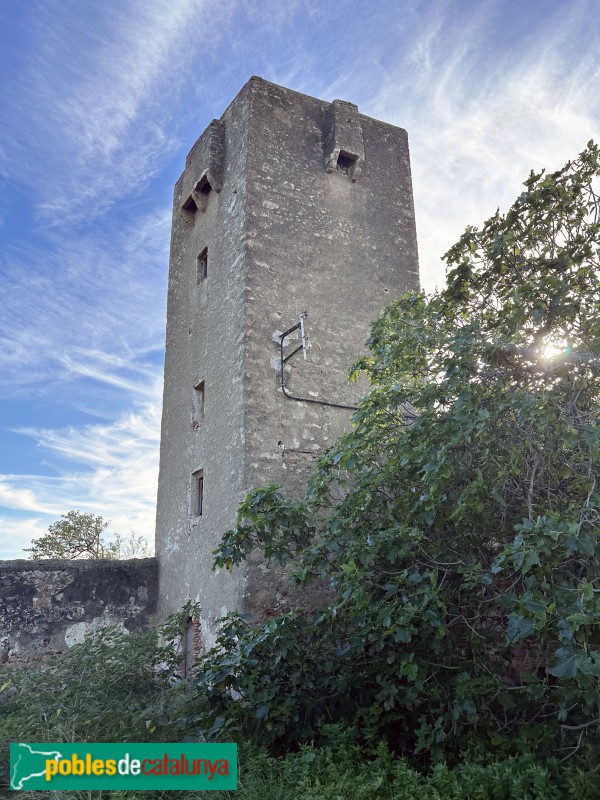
point(80, 535)
point(457, 523)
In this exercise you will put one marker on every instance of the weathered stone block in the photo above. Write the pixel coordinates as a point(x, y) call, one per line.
point(47, 606)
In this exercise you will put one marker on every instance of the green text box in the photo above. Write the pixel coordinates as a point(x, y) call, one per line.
point(54, 765)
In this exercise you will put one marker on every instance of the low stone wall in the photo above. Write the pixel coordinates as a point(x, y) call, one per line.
point(48, 606)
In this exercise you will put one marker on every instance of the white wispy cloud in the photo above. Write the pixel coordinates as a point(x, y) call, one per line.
point(99, 109)
point(15, 495)
point(112, 471)
point(480, 117)
point(98, 98)
point(18, 533)
point(92, 364)
point(103, 293)
point(90, 120)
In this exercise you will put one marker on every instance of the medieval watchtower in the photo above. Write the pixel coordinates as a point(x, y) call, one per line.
point(290, 212)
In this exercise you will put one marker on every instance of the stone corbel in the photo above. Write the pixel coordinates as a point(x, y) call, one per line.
point(211, 178)
point(344, 150)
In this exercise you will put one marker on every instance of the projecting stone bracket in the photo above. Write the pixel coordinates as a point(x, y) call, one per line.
point(344, 150)
point(211, 147)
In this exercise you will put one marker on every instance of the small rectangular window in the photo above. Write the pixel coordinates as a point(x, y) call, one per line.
point(202, 266)
point(198, 404)
point(345, 162)
point(197, 494)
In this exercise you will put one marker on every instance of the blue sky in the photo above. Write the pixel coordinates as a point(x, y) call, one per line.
point(99, 104)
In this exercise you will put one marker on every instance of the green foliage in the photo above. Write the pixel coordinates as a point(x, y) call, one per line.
point(79, 535)
point(457, 523)
point(339, 772)
point(344, 771)
point(114, 687)
point(456, 527)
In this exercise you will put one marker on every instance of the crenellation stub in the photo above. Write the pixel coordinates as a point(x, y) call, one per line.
point(47, 606)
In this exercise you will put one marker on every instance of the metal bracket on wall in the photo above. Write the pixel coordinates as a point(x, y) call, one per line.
point(284, 359)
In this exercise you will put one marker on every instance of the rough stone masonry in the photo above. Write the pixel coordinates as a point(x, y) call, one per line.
point(291, 213)
point(289, 208)
point(48, 606)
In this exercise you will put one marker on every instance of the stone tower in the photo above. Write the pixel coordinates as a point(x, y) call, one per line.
point(291, 213)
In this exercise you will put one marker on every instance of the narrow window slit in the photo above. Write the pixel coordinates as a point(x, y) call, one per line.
point(197, 494)
point(202, 266)
point(198, 404)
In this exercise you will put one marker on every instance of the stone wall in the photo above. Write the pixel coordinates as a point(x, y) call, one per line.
point(48, 606)
point(288, 206)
